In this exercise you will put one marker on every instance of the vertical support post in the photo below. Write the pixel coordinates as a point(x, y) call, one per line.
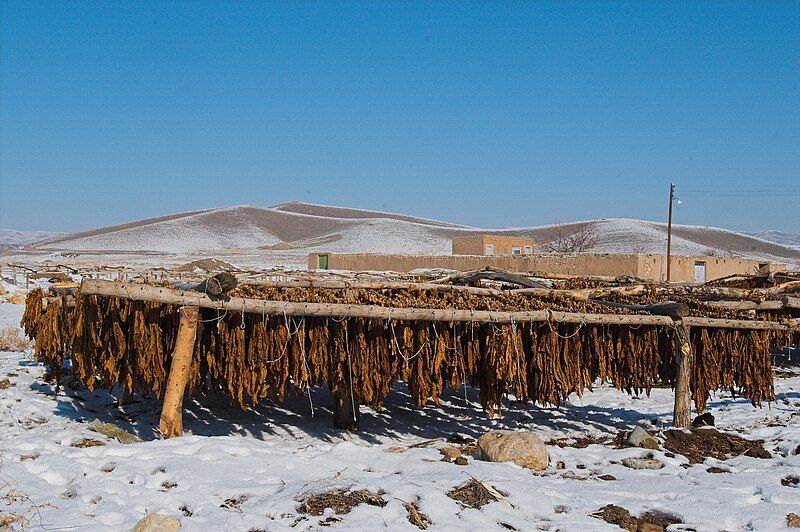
point(684, 360)
point(171, 424)
point(669, 228)
point(345, 412)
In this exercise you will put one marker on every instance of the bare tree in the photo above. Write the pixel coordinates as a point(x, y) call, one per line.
point(568, 240)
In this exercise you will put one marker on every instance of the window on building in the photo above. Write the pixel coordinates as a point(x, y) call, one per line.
point(489, 249)
point(516, 250)
point(528, 250)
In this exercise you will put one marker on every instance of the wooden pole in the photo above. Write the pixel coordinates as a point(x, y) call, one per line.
point(172, 296)
point(669, 228)
point(345, 412)
point(684, 360)
point(171, 424)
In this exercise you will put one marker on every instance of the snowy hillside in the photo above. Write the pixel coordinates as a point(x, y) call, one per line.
point(295, 229)
point(11, 239)
point(780, 237)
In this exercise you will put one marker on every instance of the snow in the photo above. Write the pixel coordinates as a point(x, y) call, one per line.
point(779, 237)
point(269, 457)
point(181, 235)
point(11, 238)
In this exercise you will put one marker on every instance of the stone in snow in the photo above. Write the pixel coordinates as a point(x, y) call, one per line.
point(113, 431)
point(639, 437)
point(157, 523)
point(642, 463)
point(523, 448)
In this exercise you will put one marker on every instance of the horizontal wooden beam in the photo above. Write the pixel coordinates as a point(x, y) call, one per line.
point(173, 296)
point(791, 302)
point(747, 305)
point(336, 284)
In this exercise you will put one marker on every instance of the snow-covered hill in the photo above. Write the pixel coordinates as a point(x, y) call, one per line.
point(294, 229)
point(780, 237)
point(12, 239)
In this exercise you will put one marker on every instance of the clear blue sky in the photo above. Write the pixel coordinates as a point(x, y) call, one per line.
point(491, 114)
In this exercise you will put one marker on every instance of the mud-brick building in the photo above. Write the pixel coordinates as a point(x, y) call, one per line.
point(648, 266)
point(492, 245)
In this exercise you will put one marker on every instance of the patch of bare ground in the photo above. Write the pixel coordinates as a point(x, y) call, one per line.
point(341, 501)
point(699, 444)
point(646, 522)
point(87, 442)
point(580, 442)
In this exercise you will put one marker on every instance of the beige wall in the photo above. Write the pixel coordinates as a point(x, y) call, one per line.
point(476, 244)
point(647, 266)
point(653, 267)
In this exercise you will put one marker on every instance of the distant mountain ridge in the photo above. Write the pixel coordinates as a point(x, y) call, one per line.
point(296, 228)
point(779, 237)
point(13, 239)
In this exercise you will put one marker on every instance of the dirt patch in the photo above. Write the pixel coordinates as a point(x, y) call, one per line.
point(792, 481)
point(87, 442)
point(699, 444)
point(658, 519)
point(580, 442)
point(234, 503)
point(473, 494)
point(415, 517)
point(617, 515)
point(340, 500)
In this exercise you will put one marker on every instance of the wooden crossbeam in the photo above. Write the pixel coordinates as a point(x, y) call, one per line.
point(337, 310)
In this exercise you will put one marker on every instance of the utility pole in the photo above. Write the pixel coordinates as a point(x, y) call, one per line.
point(669, 227)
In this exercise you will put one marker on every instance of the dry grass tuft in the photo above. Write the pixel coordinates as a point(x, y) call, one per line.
point(11, 339)
point(8, 519)
point(473, 494)
point(87, 442)
point(340, 500)
point(417, 518)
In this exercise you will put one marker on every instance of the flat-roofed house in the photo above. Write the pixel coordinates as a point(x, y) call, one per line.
point(489, 245)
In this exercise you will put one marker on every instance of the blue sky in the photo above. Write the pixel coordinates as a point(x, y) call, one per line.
point(491, 114)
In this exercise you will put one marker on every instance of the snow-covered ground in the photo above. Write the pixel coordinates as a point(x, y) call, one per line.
point(261, 462)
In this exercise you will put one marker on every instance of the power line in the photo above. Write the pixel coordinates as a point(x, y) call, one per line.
point(741, 195)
